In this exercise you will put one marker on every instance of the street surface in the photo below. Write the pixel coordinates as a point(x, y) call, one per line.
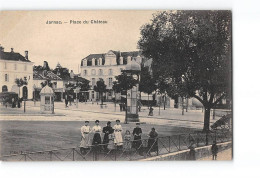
point(32, 131)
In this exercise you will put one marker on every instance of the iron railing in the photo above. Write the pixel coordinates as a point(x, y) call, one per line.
point(145, 148)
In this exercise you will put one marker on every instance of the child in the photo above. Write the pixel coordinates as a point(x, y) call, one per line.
point(214, 150)
point(111, 144)
point(127, 143)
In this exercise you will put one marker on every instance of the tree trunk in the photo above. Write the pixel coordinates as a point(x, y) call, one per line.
point(164, 100)
point(148, 101)
point(101, 98)
point(126, 109)
point(206, 119)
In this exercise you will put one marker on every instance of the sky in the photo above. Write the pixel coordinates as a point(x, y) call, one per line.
point(69, 43)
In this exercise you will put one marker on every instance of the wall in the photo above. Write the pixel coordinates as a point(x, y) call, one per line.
point(183, 155)
point(8, 67)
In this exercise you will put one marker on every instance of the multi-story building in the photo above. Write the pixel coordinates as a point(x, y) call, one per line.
point(106, 66)
point(12, 66)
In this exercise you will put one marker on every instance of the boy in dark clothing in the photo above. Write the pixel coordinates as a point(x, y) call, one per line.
point(214, 150)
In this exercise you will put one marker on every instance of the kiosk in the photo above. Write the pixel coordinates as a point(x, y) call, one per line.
point(47, 100)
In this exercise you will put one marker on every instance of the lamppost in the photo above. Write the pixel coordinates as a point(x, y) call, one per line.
point(133, 69)
point(34, 92)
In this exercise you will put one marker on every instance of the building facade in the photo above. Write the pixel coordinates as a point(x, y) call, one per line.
point(106, 66)
point(12, 66)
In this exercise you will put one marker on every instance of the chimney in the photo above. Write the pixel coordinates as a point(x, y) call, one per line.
point(12, 50)
point(71, 74)
point(26, 54)
point(1, 48)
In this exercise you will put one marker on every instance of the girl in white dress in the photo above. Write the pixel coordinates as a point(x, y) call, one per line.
point(118, 134)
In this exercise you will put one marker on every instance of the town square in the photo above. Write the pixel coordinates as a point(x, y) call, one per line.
point(158, 88)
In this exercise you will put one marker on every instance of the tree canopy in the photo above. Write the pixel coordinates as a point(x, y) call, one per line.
point(100, 88)
point(123, 83)
point(191, 52)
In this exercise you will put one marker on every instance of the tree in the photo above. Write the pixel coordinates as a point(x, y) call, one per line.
point(162, 87)
point(123, 83)
point(191, 50)
point(84, 87)
point(100, 88)
point(47, 82)
point(147, 83)
point(20, 82)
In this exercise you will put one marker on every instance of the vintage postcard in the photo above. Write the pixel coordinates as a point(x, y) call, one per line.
point(116, 85)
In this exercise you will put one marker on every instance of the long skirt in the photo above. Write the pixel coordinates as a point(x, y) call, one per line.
point(137, 143)
point(127, 145)
point(152, 145)
point(118, 139)
point(96, 139)
point(111, 145)
point(85, 142)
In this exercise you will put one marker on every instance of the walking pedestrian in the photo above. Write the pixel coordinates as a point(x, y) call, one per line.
point(150, 111)
point(85, 138)
point(214, 150)
point(137, 143)
point(107, 131)
point(118, 134)
point(66, 101)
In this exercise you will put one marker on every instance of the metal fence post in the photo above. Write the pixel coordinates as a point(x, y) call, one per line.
point(73, 154)
point(50, 155)
point(207, 141)
point(116, 152)
point(169, 140)
point(179, 142)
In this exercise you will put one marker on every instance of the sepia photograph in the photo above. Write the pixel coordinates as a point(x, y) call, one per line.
point(116, 85)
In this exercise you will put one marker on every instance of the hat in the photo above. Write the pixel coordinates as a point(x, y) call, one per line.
point(97, 121)
point(117, 120)
point(138, 123)
point(86, 121)
point(108, 122)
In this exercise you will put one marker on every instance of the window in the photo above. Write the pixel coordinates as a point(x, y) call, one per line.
point(93, 72)
point(47, 99)
point(110, 72)
point(6, 77)
point(100, 72)
point(85, 72)
point(15, 66)
point(25, 67)
point(85, 62)
point(110, 82)
point(54, 84)
point(93, 94)
point(93, 81)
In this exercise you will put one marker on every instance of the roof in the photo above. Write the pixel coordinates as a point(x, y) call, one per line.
point(133, 66)
point(50, 75)
point(12, 56)
point(46, 90)
point(117, 53)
